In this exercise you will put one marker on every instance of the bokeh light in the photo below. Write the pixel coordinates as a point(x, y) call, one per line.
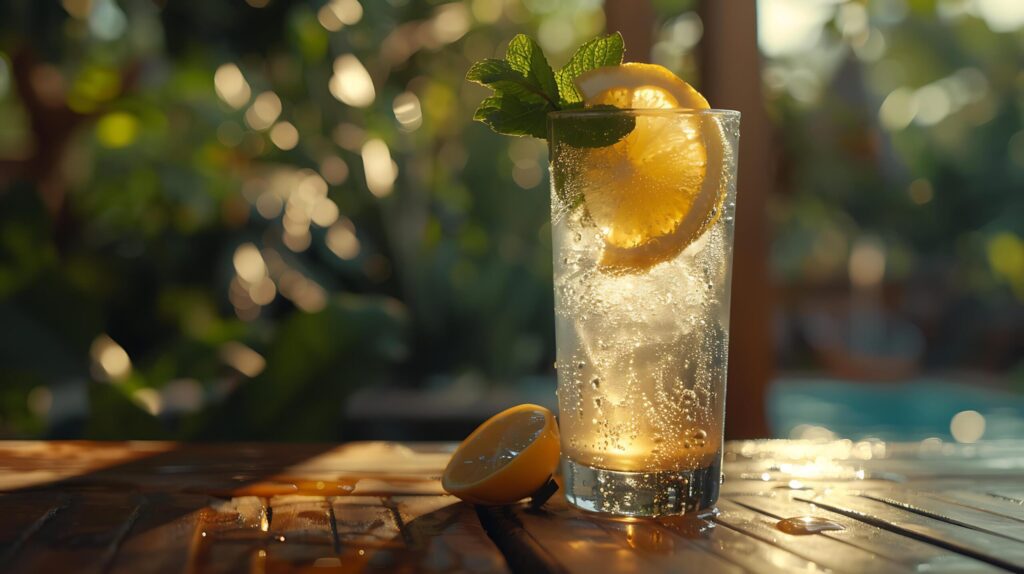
point(351, 83)
point(407, 111)
point(264, 111)
point(284, 135)
point(337, 14)
point(117, 130)
point(242, 358)
point(110, 360)
point(342, 240)
point(967, 426)
point(378, 167)
point(231, 86)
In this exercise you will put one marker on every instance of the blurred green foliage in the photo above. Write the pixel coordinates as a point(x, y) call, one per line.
point(122, 237)
point(901, 123)
point(202, 234)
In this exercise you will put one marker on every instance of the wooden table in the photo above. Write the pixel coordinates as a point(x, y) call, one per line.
point(167, 507)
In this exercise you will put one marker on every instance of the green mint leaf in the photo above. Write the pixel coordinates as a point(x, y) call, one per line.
point(524, 87)
point(526, 57)
point(510, 116)
point(597, 130)
point(500, 77)
point(599, 52)
point(526, 90)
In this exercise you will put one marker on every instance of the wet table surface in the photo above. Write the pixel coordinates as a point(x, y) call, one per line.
point(786, 507)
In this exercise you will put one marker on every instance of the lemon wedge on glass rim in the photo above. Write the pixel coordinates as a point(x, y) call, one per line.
point(506, 459)
point(650, 194)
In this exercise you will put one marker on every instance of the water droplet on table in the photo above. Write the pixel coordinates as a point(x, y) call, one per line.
point(801, 525)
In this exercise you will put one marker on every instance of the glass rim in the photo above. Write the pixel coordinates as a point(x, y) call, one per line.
point(591, 112)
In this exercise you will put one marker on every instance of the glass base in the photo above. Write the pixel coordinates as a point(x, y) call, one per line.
point(623, 493)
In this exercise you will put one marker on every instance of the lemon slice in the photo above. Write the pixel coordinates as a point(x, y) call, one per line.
point(649, 193)
point(506, 459)
point(638, 86)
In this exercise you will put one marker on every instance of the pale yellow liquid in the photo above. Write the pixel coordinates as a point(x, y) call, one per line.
point(642, 355)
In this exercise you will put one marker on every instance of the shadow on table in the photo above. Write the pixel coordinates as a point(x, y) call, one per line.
point(73, 504)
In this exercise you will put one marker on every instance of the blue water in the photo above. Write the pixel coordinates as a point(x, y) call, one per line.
point(912, 410)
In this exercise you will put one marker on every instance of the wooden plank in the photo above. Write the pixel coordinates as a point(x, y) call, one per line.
point(671, 544)
point(84, 537)
point(1012, 494)
point(951, 512)
point(368, 536)
point(301, 536)
point(23, 515)
point(559, 539)
point(996, 550)
point(824, 551)
point(444, 535)
point(931, 469)
point(912, 553)
point(161, 540)
point(120, 507)
point(752, 554)
point(736, 487)
point(982, 501)
point(231, 536)
point(375, 458)
point(75, 455)
point(412, 534)
point(522, 550)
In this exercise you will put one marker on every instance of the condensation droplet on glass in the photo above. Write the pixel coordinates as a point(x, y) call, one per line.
point(595, 383)
point(578, 236)
point(580, 366)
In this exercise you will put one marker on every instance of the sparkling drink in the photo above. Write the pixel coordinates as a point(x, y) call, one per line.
point(642, 236)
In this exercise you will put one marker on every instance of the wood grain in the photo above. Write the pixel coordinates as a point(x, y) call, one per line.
point(909, 552)
point(164, 508)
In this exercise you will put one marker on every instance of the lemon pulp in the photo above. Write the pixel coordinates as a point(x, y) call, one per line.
point(509, 457)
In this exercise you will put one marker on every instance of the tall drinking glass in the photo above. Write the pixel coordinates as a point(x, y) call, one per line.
point(642, 235)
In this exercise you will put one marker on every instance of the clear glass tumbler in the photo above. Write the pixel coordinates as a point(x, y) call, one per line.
point(642, 235)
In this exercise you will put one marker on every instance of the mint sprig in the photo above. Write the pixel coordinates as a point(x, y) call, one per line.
point(526, 90)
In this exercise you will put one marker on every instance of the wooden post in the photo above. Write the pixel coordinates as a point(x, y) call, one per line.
point(634, 19)
point(731, 78)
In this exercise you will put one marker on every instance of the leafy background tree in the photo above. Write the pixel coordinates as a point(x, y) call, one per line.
point(219, 219)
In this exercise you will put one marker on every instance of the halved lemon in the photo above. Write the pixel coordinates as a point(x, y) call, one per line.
point(649, 194)
point(506, 459)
